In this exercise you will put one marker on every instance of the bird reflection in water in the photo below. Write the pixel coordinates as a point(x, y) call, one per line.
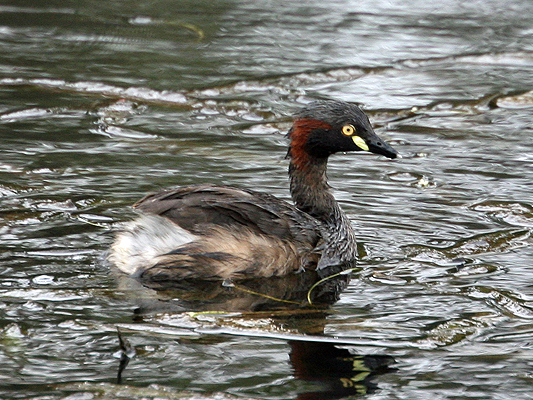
point(297, 302)
point(315, 289)
point(340, 373)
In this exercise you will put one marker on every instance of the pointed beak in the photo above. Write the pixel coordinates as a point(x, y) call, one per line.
point(378, 146)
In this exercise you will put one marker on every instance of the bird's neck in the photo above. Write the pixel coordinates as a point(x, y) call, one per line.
point(310, 190)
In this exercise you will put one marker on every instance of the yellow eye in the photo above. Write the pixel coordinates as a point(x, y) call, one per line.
point(348, 130)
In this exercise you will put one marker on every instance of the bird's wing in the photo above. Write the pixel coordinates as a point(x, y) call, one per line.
point(196, 208)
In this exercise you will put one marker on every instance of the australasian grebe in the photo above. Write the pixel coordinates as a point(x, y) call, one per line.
point(217, 232)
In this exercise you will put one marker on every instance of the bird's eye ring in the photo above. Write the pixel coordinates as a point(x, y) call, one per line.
point(348, 130)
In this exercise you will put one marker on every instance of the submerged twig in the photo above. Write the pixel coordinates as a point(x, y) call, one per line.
point(127, 352)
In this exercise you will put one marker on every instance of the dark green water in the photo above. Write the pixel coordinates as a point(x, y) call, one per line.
point(104, 101)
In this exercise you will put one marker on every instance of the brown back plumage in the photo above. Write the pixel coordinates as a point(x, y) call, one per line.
point(197, 208)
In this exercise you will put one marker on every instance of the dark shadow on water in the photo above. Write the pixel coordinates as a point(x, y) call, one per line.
point(304, 290)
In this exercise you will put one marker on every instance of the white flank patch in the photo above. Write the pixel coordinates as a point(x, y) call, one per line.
point(141, 241)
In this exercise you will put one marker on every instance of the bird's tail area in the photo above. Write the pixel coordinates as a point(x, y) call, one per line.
point(139, 243)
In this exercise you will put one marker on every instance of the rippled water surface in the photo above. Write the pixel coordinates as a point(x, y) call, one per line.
point(104, 101)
